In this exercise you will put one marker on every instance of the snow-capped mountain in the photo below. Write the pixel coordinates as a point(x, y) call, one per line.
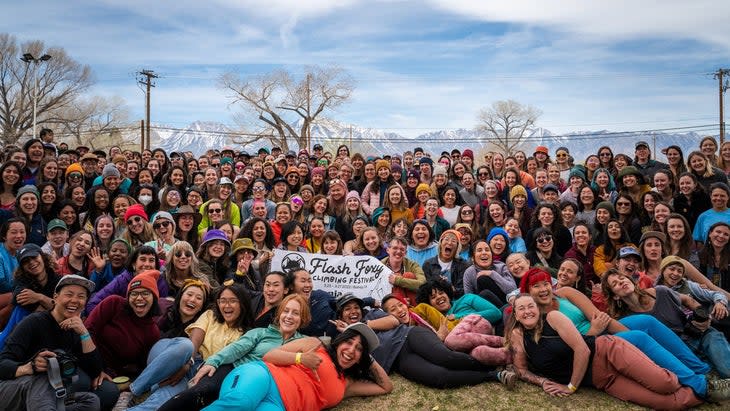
point(202, 135)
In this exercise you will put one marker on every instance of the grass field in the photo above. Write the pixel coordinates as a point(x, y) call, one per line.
point(488, 396)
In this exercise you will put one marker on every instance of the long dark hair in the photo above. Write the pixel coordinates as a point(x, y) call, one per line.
point(20, 273)
point(359, 371)
point(245, 319)
point(247, 231)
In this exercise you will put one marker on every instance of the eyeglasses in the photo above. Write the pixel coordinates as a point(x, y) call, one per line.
point(135, 219)
point(545, 239)
point(228, 301)
point(215, 210)
point(161, 224)
point(74, 175)
point(623, 204)
point(215, 165)
point(173, 194)
point(561, 155)
point(143, 294)
point(259, 189)
point(605, 154)
point(185, 253)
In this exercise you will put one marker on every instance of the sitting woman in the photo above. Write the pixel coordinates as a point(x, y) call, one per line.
point(469, 320)
point(182, 265)
point(543, 251)
point(447, 264)
point(107, 268)
point(488, 278)
point(303, 374)
point(626, 298)
point(550, 352)
point(645, 332)
point(292, 314)
point(420, 354)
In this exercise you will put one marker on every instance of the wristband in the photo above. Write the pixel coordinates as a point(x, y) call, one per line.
point(298, 358)
point(85, 337)
point(572, 387)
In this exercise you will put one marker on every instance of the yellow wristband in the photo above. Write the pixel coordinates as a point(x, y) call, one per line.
point(572, 387)
point(298, 358)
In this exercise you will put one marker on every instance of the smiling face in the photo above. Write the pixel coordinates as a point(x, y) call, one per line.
point(448, 247)
point(397, 309)
point(719, 237)
point(34, 266)
point(349, 352)
point(81, 245)
point(719, 198)
point(518, 264)
point(229, 306)
point(290, 318)
point(140, 300)
point(439, 300)
point(370, 240)
point(28, 203)
point(581, 235)
point(546, 216)
point(542, 292)
point(295, 238)
point(673, 274)
point(568, 274)
point(303, 284)
point(351, 313)
point(526, 311)
point(118, 254)
point(191, 301)
point(70, 301)
point(274, 289)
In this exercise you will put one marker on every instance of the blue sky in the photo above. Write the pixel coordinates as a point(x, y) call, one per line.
point(419, 65)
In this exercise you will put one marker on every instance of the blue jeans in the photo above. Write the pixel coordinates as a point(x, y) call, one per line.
point(715, 347)
point(165, 358)
point(249, 387)
point(667, 350)
point(160, 395)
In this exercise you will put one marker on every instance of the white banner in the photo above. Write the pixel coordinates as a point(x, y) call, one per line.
point(363, 276)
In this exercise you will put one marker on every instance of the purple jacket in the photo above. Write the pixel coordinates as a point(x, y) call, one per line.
point(118, 286)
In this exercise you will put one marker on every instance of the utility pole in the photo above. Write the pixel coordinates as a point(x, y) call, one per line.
point(309, 125)
point(145, 79)
point(722, 87)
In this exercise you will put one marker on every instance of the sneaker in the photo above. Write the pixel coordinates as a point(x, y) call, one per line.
point(508, 379)
point(718, 390)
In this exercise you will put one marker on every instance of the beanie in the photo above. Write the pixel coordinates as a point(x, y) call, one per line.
point(377, 213)
point(498, 231)
point(438, 169)
point(468, 153)
point(74, 167)
point(164, 215)
point(414, 174)
point(453, 232)
point(426, 160)
point(110, 170)
point(606, 205)
point(338, 182)
point(382, 163)
point(318, 170)
point(669, 260)
point(28, 189)
point(517, 190)
point(352, 194)
point(423, 187)
point(395, 168)
point(146, 279)
point(306, 187)
point(136, 210)
point(577, 172)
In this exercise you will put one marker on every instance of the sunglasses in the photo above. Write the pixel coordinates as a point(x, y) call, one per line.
point(467, 212)
point(215, 210)
point(259, 189)
point(161, 224)
point(215, 165)
point(623, 204)
point(483, 174)
point(74, 175)
point(605, 154)
point(561, 155)
point(132, 220)
point(185, 253)
point(545, 239)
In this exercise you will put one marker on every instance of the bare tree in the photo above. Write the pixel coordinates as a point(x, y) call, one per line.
point(506, 123)
point(88, 119)
point(60, 81)
point(278, 99)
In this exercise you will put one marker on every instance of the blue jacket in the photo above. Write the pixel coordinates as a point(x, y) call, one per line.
point(8, 264)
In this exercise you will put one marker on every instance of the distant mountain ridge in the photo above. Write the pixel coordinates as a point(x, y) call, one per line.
point(203, 135)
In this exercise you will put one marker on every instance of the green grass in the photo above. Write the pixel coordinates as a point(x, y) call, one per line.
point(488, 396)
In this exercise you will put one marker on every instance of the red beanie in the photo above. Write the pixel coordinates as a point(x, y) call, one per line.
point(146, 279)
point(135, 210)
point(534, 276)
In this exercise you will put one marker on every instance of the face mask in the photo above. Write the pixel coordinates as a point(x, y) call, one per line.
point(145, 199)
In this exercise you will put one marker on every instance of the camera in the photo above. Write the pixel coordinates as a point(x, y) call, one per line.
point(699, 315)
point(66, 363)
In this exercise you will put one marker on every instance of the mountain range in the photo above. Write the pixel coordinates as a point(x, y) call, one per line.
point(203, 135)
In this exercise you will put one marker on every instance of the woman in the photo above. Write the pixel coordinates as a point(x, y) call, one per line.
point(12, 234)
point(720, 199)
point(542, 251)
point(447, 264)
point(514, 234)
point(551, 353)
point(139, 230)
point(422, 242)
point(518, 197)
point(723, 162)
point(488, 278)
point(34, 339)
point(242, 272)
point(27, 206)
point(499, 242)
point(614, 237)
point(691, 199)
point(373, 195)
point(97, 204)
point(103, 230)
point(664, 185)
point(186, 225)
point(628, 216)
point(292, 236)
point(182, 265)
point(604, 186)
point(646, 212)
point(228, 208)
point(331, 243)
point(421, 355)
point(78, 261)
point(164, 227)
point(498, 165)
point(10, 174)
point(605, 155)
point(632, 183)
point(294, 375)
point(292, 315)
point(569, 212)
point(108, 266)
point(625, 298)
point(352, 211)
point(141, 259)
point(407, 275)
point(423, 193)
point(583, 251)
point(124, 329)
point(397, 204)
point(587, 202)
point(715, 255)
point(547, 216)
point(259, 231)
point(212, 255)
point(381, 221)
point(359, 224)
point(679, 238)
point(471, 192)
point(370, 243)
point(707, 174)
point(320, 203)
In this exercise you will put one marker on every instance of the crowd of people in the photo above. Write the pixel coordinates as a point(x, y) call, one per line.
point(148, 275)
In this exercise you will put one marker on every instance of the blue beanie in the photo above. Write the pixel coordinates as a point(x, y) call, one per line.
point(498, 231)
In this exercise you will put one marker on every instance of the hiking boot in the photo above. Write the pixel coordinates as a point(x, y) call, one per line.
point(718, 390)
point(508, 379)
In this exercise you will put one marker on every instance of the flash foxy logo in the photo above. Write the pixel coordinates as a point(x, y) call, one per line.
point(293, 262)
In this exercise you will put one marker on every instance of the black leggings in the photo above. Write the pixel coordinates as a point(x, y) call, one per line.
point(486, 283)
point(426, 360)
point(201, 394)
